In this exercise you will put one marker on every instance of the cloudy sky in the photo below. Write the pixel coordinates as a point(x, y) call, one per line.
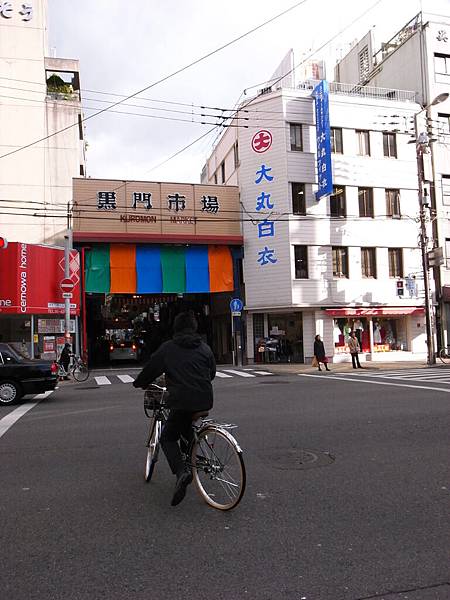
point(126, 45)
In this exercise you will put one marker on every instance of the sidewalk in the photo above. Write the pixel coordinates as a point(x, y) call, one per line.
point(340, 367)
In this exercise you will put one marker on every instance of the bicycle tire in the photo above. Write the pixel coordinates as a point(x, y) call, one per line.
point(444, 355)
point(80, 372)
point(152, 448)
point(218, 468)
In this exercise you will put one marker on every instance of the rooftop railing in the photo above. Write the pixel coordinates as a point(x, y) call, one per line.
point(350, 89)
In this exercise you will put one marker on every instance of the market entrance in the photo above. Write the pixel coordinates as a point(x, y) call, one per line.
point(130, 327)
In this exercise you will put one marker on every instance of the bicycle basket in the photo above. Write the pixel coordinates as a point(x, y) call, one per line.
point(153, 397)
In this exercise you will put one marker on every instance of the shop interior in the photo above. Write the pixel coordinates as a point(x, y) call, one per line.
point(284, 344)
point(143, 322)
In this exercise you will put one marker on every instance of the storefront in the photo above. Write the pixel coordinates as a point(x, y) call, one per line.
point(384, 333)
point(277, 337)
point(31, 300)
point(149, 251)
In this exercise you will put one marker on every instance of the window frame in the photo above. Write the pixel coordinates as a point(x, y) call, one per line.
point(446, 61)
point(371, 214)
point(445, 185)
point(363, 134)
point(302, 211)
point(396, 269)
point(339, 199)
point(302, 271)
point(222, 171)
point(388, 135)
point(337, 146)
point(393, 209)
point(295, 127)
point(444, 120)
point(368, 262)
point(236, 154)
point(340, 255)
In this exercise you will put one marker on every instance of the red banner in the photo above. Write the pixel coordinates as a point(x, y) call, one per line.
point(30, 277)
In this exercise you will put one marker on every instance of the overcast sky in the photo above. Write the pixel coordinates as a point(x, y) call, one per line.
point(125, 45)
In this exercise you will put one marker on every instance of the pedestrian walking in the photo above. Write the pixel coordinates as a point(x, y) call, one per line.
point(319, 353)
point(354, 347)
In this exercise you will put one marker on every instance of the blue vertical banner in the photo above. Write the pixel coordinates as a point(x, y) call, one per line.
point(324, 174)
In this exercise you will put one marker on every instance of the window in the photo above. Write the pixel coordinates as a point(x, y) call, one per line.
point(296, 137)
point(236, 155)
point(389, 145)
point(363, 142)
point(82, 170)
point(443, 123)
point(337, 202)
point(215, 178)
point(340, 262)
point(364, 65)
point(442, 64)
point(222, 172)
point(393, 204)
point(368, 262)
point(446, 190)
point(298, 198)
point(336, 140)
point(365, 199)
point(80, 127)
point(395, 262)
point(301, 262)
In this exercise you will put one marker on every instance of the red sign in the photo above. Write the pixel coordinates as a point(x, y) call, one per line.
point(30, 277)
point(66, 285)
point(262, 141)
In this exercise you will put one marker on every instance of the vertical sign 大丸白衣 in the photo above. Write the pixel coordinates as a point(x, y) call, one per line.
point(324, 174)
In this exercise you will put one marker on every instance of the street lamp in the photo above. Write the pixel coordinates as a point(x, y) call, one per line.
point(422, 142)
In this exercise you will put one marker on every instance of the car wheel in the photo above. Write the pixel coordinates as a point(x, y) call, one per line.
point(10, 392)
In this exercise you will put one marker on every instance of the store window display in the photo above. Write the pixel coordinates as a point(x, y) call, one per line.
point(342, 329)
point(389, 335)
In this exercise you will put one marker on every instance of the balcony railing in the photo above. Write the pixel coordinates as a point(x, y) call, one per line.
point(350, 89)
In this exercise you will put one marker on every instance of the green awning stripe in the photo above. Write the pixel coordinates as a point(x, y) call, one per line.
point(97, 270)
point(173, 270)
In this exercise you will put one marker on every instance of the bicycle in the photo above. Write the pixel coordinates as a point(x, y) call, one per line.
point(444, 355)
point(77, 368)
point(214, 455)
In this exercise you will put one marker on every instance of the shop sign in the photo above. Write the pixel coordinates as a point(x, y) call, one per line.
point(265, 227)
point(30, 279)
point(7, 10)
point(324, 173)
point(54, 325)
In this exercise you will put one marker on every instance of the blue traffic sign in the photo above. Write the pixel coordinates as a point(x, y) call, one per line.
point(236, 305)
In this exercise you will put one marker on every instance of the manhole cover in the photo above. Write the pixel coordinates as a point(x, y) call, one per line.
point(299, 458)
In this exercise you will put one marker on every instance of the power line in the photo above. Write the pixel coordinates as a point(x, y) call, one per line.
point(163, 79)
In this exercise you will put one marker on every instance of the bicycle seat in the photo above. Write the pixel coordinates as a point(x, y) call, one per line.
point(199, 415)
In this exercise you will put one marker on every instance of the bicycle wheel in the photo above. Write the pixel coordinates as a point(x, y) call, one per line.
point(152, 447)
point(80, 371)
point(218, 468)
point(444, 355)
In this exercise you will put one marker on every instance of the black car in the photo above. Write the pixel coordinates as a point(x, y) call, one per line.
point(20, 376)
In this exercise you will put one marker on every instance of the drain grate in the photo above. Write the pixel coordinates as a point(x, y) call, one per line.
point(287, 459)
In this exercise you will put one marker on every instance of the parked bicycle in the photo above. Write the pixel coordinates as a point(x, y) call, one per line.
point(213, 454)
point(444, 355)
point(77, 368)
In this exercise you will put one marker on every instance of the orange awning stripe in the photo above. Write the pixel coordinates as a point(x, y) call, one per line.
point(220, 269)
point(123, 268)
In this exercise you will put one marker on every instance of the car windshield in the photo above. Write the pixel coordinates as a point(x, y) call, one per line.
point(119, 335)
point(7, 349)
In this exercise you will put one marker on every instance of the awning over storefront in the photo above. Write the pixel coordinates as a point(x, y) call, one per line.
point(152, 269)
point(388, 311)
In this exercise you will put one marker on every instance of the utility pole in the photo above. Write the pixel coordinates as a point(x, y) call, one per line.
point(67, 276)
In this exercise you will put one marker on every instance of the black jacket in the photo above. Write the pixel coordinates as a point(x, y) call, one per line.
point(189, 366)
point(319, 349)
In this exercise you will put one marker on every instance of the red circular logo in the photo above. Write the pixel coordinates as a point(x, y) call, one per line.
point(262, 141)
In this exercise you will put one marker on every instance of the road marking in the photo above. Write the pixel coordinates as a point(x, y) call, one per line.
point(219, 374)
point(102, 380)
point(239, 373)
point(125, 378)
point(11, 418)
point(359, 380)
point(262, 372)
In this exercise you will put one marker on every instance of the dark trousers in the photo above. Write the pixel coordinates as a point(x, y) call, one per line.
point(178, 424)
point(355, 360)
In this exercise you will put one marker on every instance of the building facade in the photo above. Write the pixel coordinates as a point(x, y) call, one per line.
point(39, 97)
point(349, 261)
point(418, 58)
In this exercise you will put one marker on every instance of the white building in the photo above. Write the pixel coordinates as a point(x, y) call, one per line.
point(38, 96)
point(418, 58)
point(328, 266)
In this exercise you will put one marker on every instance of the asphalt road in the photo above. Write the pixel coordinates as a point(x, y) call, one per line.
point(347, 498)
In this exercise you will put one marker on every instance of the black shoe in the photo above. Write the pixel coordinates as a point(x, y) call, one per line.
point(327, 369)
point(319, 369)
point(183, 480)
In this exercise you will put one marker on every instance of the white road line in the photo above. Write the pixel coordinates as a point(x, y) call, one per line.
point(262, 372)
point(102, 380)
point(9, 420)
point(239, 373)
point(125, 378)
point(44, 395)
point(359, 380)
point(219, 374)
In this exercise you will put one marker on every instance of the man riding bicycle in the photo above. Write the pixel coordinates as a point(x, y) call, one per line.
point(189, 366)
